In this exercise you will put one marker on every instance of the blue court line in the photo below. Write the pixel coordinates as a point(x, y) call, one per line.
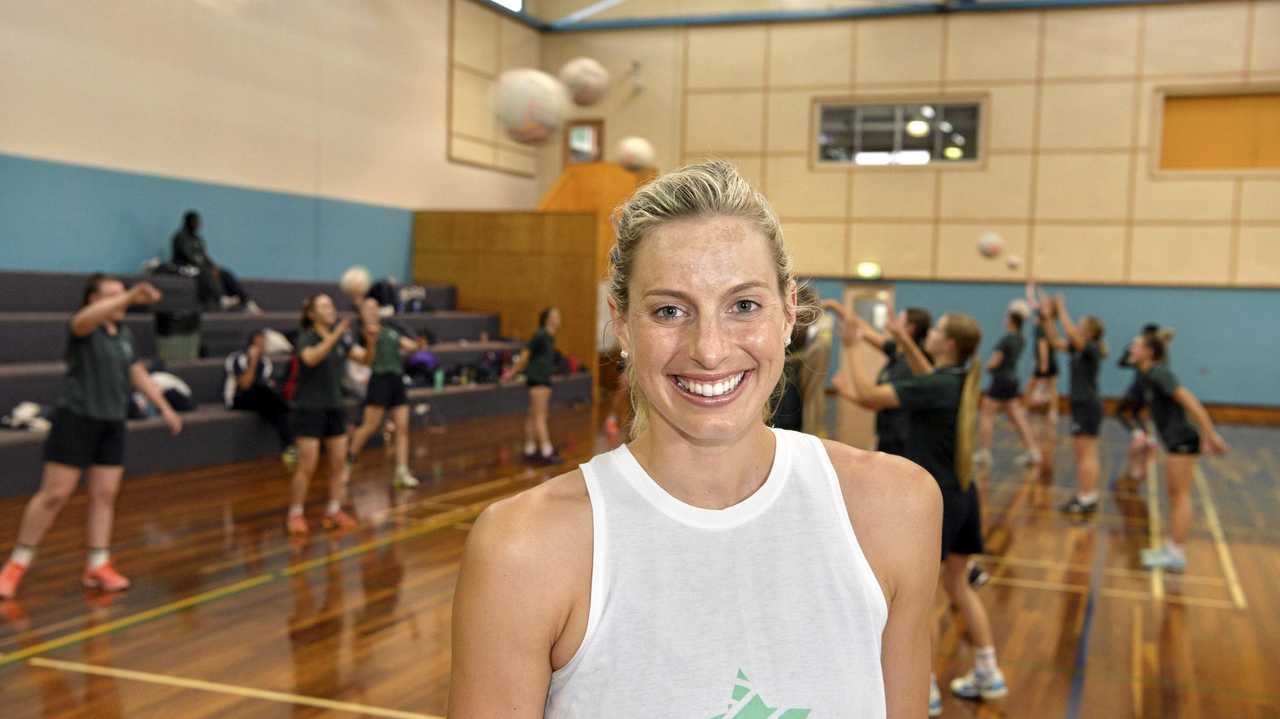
point(1076, 695)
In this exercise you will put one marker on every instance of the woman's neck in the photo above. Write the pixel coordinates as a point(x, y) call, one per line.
point(711, 476)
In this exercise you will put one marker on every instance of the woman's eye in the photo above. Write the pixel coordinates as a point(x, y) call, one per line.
point(746, 305)
point(668, 313)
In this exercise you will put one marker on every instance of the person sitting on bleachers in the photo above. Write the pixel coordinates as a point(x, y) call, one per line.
point(249, 386)
point(217, 285)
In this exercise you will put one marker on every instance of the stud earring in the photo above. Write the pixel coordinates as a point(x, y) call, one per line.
point(625, 354)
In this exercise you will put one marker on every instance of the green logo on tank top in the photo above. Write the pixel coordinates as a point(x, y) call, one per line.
point(747, 704)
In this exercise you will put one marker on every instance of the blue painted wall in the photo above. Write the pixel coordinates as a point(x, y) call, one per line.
point(1226, 345)
point(64, 217)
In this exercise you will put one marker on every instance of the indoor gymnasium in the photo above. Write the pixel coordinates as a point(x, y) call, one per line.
point(617, 359)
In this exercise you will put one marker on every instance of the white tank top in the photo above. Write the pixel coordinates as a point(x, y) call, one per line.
point(765, 609)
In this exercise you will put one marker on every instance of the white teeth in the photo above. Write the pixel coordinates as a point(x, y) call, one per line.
point(715, 389)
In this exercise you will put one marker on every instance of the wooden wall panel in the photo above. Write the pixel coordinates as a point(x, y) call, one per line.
point(515, 263)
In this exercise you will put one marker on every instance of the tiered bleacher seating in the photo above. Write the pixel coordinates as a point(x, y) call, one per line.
point(35, 307)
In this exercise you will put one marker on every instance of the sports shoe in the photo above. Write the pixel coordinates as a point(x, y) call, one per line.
point(978, 685)
point(1029, 459)
point(106, 578)
point(405, 480)
point(290, 458)
point(982, 458)
point(935, 698)
point(10, 578)
point(297, 525)
point(553, 458)
point(1164, 558)
point(978, 576)
point(252, 308)
point(339, 521)
point(1075, 506)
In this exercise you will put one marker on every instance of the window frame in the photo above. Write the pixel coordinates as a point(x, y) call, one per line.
point(982, 100)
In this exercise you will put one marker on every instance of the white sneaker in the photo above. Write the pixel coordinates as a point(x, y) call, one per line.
point(404, 480)
point(1030, 459)
point(976, 685)
point(935, 698)
point(982, 458)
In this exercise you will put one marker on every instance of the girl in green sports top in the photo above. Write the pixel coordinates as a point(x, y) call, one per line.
point(88, 434)
point(386, 393)
point(1170, 405)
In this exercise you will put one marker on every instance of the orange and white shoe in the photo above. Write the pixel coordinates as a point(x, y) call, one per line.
point(105, 578)
point(10, 577)
point(297, 525)
point(340, 521)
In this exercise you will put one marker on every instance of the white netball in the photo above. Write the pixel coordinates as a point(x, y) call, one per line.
point(990, 244)
point(635, 153)
point(586, 80)
point(531, 105)
point(355, 281)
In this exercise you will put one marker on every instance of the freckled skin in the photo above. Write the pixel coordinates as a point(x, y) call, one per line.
point(713, 331)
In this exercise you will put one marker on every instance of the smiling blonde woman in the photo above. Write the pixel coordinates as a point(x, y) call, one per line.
point(711, 567)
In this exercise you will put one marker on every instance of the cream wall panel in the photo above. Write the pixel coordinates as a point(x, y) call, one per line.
point(1010, 120)
point(1265, 53)
point(516, 162)
point(1180, 199)
point(1194, 38)
point(894, 193)
point(988, 46)
point(898, 50)
point(1181, 254)
point(791, 120)
point(475, 36)
point(325, 99)
point(519, 45)
point(1091, 43)
point(1001, 190)
point(725, 122)
point(471, 151)
point(903, 250)
point(1082, 187)
point(1258, 261)
point(1073, 253)
point(797, 192)
point(472, 112)
point(656, 113)
point(1260, 200)
point(811, 54)
point(817, 248)
point(727, 56)
point(1086, 115)
point(958, 257)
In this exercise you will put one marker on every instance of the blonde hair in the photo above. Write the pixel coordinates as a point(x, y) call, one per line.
point(966, 333)
point(706, 189)
point(1097, 329)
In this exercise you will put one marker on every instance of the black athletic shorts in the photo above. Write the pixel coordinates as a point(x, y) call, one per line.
point(1185, 445)
point(386, 390)
point(1086, 418)
point(1053, 372)
point(319, 423)
point(1003, 388)
point(79, 441)
point(896, 447)
point(537, 383)
point(961, 521)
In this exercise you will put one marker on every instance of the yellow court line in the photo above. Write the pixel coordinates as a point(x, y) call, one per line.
point(233, 690)
point(133, 619)
point(1000, 560)
point(1154, 533)
point(1110, 593)
point(1220, 541)
point(1135, 670)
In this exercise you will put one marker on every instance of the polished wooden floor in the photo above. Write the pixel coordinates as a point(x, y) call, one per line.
point(227, 618)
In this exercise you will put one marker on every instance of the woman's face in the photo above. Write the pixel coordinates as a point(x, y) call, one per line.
point(553, 321)
point(106, 290)
point(706, 326)
point(1139, 351)
point(369, 311)
point(935, 342)
point(323, 312)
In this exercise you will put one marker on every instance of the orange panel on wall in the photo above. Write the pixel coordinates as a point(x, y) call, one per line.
point(1221, 132)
